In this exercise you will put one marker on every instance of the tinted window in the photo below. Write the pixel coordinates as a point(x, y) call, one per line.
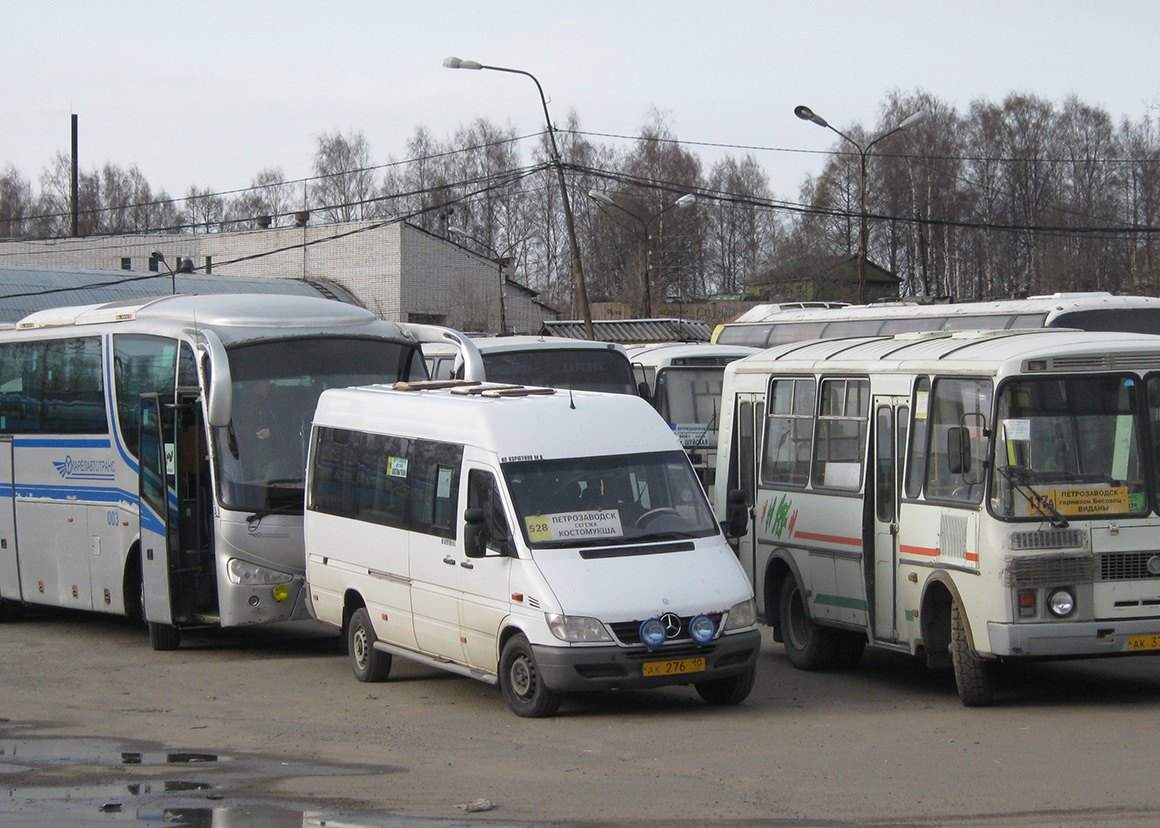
point(53, 386)
point(141, 365)
point(583, 369)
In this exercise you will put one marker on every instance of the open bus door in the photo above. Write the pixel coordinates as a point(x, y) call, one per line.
point(177, 566)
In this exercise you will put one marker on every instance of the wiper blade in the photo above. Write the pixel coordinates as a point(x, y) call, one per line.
point(1037, 501)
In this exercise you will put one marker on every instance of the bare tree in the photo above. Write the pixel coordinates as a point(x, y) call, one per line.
point(16, 202)
point(344, 186)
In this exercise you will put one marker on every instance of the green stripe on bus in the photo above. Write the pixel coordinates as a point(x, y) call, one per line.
point(839, 601)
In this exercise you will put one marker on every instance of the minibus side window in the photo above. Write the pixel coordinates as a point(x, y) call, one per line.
point(482, 493)
point(956, 403)
point(435, 487)
point(789, 432)
point(916, 457)
point(840, 441)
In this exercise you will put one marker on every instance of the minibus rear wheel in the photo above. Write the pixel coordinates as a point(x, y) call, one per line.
point(367, 663)
point(523, 686)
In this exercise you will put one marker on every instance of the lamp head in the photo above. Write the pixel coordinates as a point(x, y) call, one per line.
point(456, 63)
point(807, 114)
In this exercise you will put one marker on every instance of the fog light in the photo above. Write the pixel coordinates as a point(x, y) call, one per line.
point(702, 629)
point(280, 592)
point(652, 633)
point(1061, 603)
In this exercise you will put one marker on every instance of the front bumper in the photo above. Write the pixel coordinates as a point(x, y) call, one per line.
point(606, 667)
point(1063, 639)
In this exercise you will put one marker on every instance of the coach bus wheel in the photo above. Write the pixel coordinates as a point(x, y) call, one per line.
point(523, 686)
point(808, 645)
point(974, 676)
point(732, 690)
point(368, 663)
point(164, 636)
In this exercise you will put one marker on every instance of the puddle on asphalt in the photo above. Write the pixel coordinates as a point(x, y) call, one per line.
point(98, 783)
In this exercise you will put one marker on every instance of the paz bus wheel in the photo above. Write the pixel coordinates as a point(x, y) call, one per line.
point(523, 686)
point(164, 636)
point(974, 676)
point(808, 645)
point(367, 663)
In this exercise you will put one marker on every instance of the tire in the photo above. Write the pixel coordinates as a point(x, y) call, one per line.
point(732, 690)
point(367, 663)
point(974, 676)
point(523, 686)
point(808, 645)
point(849, 651)
point(164, 637)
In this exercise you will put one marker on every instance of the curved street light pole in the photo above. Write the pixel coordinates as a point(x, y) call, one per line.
point(645, 225)
point(577, 267)
point(807, 114)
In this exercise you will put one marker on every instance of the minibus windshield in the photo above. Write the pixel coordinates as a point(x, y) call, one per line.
point(590, 501)
point(1068, 448)
point(261, 455)
point(581, 369)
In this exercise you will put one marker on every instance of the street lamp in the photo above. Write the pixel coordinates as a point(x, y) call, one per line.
point(807, 114)
point(577, 268)
point(499, 261)
point(645, 227)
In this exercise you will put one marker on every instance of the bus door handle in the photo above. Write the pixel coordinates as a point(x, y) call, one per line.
point(449, 561)
point(894, 529)
point(467, 564)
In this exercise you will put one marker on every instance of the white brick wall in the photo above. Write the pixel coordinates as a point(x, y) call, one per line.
point(396, 270)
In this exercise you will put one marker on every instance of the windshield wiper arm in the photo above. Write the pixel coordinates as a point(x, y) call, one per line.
point(1037, 501)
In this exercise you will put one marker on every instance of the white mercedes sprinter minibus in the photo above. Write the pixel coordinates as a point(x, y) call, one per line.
point(548, 541)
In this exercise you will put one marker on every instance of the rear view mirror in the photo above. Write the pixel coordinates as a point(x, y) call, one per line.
point(475, 533)
point(736, 521)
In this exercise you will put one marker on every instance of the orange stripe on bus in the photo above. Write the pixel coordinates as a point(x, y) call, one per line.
point(828, 538)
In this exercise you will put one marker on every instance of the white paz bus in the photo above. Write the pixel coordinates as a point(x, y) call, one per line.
point(967, 497)
point(152, 453)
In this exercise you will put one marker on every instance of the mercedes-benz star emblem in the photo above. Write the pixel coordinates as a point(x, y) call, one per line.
point(672, 624)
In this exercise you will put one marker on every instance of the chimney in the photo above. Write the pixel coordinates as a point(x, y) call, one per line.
point(301, 218)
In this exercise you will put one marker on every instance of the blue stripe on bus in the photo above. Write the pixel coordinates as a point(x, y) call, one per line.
point(62, 442)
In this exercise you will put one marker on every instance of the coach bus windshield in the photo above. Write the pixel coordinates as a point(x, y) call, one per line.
point(1069, 448)
point(605, 501)
point(582, 369)
point(261, 455)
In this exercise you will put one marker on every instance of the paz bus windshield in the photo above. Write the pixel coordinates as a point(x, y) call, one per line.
point(1069, 448)
point(261, 455)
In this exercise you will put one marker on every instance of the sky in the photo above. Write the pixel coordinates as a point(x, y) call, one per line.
point(210, 93)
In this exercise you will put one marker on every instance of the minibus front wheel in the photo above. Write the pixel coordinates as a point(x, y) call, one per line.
point(522, 683)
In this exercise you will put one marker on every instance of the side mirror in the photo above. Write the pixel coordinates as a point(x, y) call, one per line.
point(475, 533)
point(958, 450)
point(736, 521)
point(642, 389)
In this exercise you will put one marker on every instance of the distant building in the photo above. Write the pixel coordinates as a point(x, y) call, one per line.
point(397, 270)
point(824, 281)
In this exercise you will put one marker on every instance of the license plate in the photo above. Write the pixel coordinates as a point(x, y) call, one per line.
point(1143, 642)
point(674, 668)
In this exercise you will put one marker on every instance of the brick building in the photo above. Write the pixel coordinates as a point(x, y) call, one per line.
point(397, 270)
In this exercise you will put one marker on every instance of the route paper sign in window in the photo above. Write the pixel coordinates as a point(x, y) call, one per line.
point(603, 523)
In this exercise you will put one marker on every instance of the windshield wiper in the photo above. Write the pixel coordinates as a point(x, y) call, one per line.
point(1037, 501)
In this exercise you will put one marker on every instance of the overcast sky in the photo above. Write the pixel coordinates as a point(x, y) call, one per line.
point(209, 93)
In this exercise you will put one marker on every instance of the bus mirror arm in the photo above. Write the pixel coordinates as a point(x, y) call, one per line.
point(472, 361)
point(736, 521)
point(216, 379)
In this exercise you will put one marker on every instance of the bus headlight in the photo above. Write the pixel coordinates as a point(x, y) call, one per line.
point(741, 615)
point(1061, 603)
point(576, 628)
point(250, 574)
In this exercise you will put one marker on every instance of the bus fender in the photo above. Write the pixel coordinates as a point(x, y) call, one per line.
point(938, 593)
point(780, 566)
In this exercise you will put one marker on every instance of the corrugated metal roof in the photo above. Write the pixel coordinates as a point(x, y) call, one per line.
point(632, 331)
point(25, 290)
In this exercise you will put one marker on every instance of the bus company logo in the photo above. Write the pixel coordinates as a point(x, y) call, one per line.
point(777, 517)
point(71, 469)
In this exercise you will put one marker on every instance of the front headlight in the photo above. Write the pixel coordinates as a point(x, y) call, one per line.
point(1061, 603)
point(576, 628)
point(250, 574)
point(741, 615)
